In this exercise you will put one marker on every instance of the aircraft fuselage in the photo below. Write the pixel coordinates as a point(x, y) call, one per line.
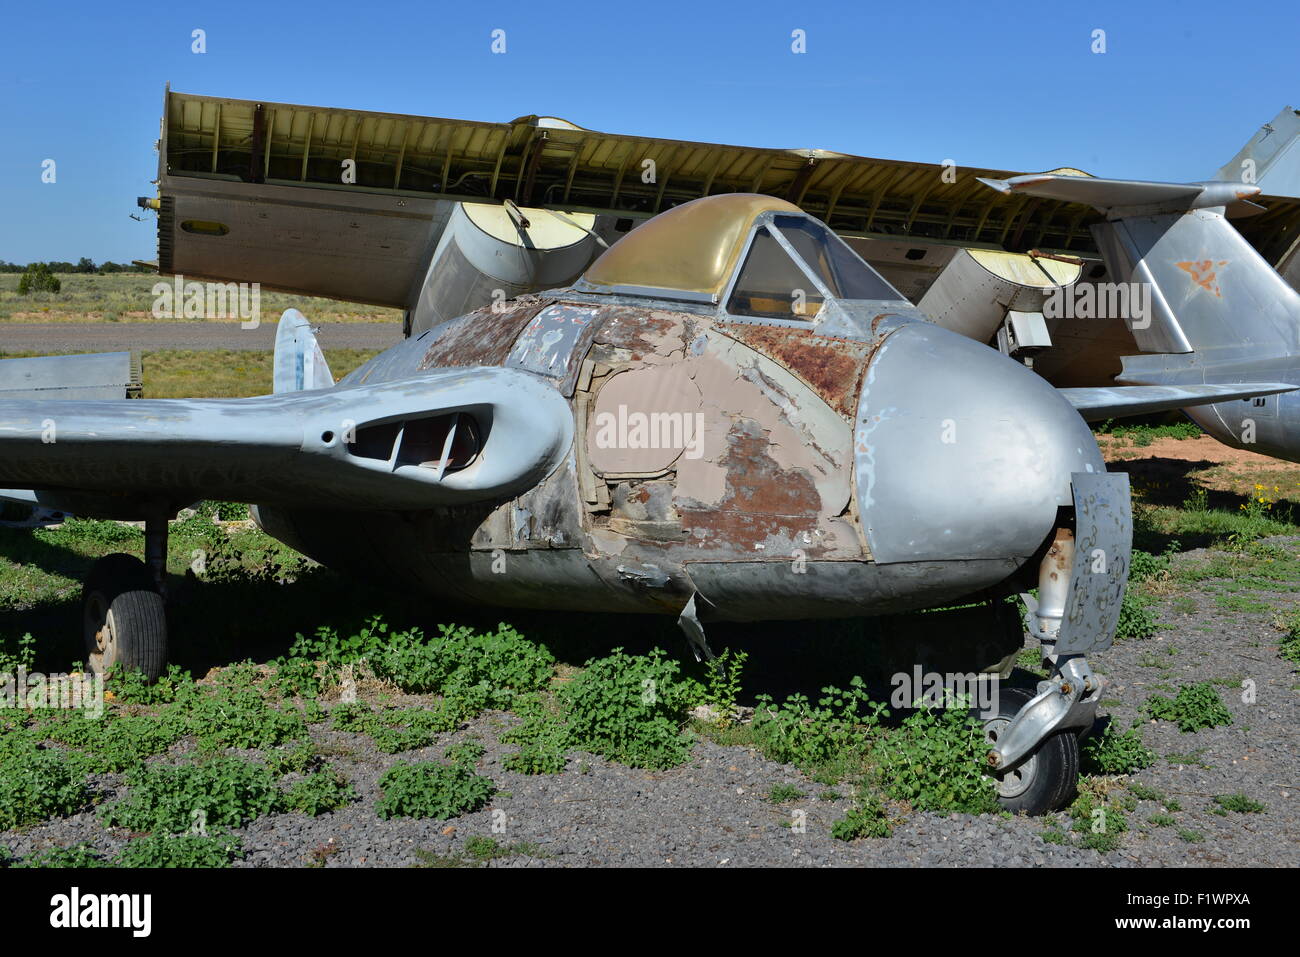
point(775, 471)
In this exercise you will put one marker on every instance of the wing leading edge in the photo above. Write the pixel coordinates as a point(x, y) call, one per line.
point(440, 438)
point(1096, 405)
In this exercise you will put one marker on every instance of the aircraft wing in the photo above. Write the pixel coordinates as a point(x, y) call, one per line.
point(1099, 404)
point(440, 438)
point(1111, 194)
point(253, 191)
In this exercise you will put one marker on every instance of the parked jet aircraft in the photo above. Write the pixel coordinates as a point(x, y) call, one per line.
point(1218, 312)
point(728, 416)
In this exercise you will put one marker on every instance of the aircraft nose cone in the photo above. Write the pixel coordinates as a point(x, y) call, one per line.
point(960, 452)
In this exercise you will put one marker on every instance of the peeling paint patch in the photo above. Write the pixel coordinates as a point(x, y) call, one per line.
point(607, 542)
point(479, 338)
point(803, 432)
point(644, 419)
point(553, 342)
point(656, 336)
point(1204, 273)
point(831, 367)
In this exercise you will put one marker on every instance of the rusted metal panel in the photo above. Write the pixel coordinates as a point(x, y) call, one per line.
point(832, 367)
point(484, 337)
point(763, 505)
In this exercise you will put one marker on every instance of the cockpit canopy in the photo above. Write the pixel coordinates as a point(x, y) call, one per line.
point(757, 256)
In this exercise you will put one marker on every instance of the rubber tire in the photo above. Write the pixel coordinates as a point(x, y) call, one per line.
point(121, 586)
point(1053, 767)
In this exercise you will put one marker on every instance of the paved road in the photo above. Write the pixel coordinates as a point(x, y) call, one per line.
point(118, 336)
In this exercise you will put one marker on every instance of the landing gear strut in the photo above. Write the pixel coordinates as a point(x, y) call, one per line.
point(123, 611)
point(1034, 740)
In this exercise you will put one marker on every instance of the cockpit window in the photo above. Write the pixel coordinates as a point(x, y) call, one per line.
point(839, 268)
point(771, 286)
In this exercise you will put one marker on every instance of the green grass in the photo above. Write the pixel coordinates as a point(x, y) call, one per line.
point(1144, 793)
point(1189, 758)
point(36, 786)
point(220, 373)
point(478, 851)
point(782, 793)
point(1239, 803)
point(631, 709)
point(42, 570)
point(1242, 603)
point(1156, 525)
point(867, 818)
point(566, 691)
point(1289, 645)
point(226, 374)
point(1116, 752)
point(1136, 616)
point(1143, 435)
point(1194, 708)
point(181, 850)
point(224, 792)
point(431, 790)
point(1098, 820)
point(125, 297)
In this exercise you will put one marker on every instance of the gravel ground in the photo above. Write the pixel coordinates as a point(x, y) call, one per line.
point(55, 337)
point(714, 811)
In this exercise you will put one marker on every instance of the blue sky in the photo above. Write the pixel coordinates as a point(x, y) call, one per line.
point(1179, 89)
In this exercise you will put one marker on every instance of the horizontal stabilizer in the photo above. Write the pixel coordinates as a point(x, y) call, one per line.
point(1107, 194)
point(440, 438)
point(1096, 405)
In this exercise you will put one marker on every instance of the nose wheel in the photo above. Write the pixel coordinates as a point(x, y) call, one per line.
point(123, 612)
point(1047, 777)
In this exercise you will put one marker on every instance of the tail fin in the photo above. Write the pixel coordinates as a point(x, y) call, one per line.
point(1214, 302)
point(299, 363)
point(1210, 291)
point(1271, 160)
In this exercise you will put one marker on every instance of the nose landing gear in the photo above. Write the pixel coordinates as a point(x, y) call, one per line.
point(1034, 739)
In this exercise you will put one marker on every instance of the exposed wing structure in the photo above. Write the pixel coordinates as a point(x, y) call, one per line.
point(1096, 405)
point(440, 438)
point(104, 375)
point(240, 179)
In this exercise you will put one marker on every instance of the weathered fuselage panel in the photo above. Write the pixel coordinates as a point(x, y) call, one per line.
point(710, 456)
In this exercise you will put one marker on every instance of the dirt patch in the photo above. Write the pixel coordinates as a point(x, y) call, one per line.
point(1178, 466)
point(1200, 449)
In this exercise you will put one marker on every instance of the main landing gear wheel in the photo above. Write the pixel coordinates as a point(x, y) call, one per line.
point(124, 619)
point(1044, 780)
